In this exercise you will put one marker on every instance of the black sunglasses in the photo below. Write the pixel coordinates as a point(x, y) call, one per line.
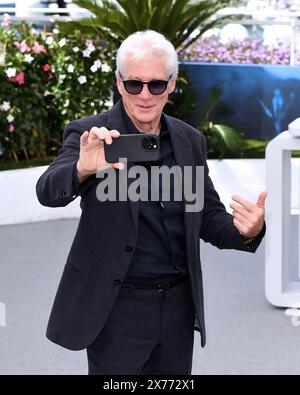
point(135, 87)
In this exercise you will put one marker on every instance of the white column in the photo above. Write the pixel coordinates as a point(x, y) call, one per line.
point(281, 289)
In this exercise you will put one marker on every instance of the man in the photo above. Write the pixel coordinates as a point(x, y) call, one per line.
point(131, 290)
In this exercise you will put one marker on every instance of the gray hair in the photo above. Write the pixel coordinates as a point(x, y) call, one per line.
point(144, 45)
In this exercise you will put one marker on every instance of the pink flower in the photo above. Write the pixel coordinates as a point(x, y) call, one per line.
point(47, 67)
point(22, 47)
point(89, 43)
point(11, 128)
point(37, 48)
point(19, 78)
point(6, 20)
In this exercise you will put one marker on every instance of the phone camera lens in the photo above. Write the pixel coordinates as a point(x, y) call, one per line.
point(149, 144)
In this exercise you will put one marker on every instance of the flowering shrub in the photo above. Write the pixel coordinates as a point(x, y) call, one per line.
point(247, 51)
point(45, 82)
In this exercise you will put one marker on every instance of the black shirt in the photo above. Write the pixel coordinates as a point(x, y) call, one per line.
point(160, 253)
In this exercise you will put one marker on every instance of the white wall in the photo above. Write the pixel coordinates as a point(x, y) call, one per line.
point(18, 201)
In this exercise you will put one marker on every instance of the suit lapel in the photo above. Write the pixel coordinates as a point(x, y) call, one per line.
point(184, 157)
point(181, 145)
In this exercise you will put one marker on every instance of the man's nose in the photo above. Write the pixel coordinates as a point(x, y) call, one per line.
point(145, 93)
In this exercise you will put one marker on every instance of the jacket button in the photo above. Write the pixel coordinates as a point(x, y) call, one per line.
point(128, 248)
point(117, 282)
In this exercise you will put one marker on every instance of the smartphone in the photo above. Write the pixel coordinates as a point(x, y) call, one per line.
point(133, 147)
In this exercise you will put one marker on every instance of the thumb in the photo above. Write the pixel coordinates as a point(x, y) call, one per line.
point(118, 166)
point(261, 199)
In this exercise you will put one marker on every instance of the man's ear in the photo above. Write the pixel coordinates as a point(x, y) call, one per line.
point(171, 87)
point(119, 85)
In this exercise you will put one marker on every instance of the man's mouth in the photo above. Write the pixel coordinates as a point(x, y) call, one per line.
point(145, 107)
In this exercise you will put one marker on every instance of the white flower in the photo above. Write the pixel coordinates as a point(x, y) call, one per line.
point(82, 79)
point(5, 106)
point(91, 48)
point(98, 63)
point(70, 68)
point(75, 49)
point(62, 42)
point(11, 72)
point(86, 53)
point(10, 118)
point(55, 31)
point(105, 68)
point(62, 77)
point(49, 40)
point(94, 69)
point(47, 93)
point(29, 58)
point(67, 102)
point(96, 66)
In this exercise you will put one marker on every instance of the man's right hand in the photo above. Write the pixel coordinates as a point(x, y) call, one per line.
point(92, 157)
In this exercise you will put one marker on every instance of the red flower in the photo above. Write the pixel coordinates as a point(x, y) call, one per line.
point(47, 67)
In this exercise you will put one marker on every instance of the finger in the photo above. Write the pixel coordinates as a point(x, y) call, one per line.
point(94, 133)
point(99, 133)
point(241, 210)
point(84, 138)
point(108, 135)
point(114, 133)
point(102, 133)
point(238, 225)
point(248, 205)
point(261, 199)
point(243, 220)
point(118, 165)
point(108, 139)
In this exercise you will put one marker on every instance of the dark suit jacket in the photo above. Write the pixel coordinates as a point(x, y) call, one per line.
point(106, 236)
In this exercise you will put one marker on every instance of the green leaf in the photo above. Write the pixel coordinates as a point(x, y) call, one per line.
point(211, 101)
point(229, 138)
point(176, 19)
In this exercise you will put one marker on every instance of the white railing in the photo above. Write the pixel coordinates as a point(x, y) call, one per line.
point(263, 17)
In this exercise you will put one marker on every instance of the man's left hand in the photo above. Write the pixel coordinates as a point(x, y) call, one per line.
point(249, 217)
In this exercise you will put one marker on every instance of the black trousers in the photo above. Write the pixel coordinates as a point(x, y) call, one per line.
point(147, 332)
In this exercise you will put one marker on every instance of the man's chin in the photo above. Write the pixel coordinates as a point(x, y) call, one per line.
point(142, 118)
